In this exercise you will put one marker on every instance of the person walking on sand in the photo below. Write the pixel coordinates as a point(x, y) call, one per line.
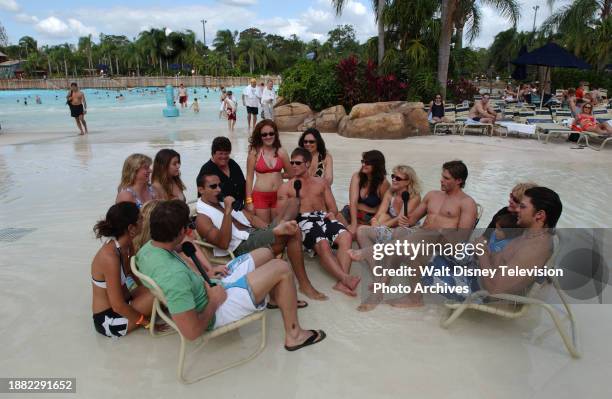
point(251, 99)
point(78, 107)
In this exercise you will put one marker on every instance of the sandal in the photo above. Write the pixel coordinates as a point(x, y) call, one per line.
point(316, 337)
point(300, 305)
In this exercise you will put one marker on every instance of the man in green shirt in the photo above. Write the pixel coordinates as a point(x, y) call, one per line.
point(194, 305)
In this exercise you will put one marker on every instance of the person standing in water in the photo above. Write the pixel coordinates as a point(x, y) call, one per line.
point(182, 95)
point(78, 107)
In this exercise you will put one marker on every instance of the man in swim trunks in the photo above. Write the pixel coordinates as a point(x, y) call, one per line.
point(182, 95)
point(78, 107)
point(482, 111)
point(196, 306)
point(251, 99)
point(318, 221)
point(242, 231)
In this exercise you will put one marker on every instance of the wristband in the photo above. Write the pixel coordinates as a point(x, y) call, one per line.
point(249, 200)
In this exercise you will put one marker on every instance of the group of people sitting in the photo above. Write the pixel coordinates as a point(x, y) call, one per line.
point(285, 203)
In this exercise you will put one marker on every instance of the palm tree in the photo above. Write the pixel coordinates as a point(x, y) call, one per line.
point(84, 46)
point(449, 10)
point(29, 44)
point(225, 43)
point(379, 7)
point(468, 14)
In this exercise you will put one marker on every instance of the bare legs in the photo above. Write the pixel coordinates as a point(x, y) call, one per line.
point(339, 266)
point(81, 124)
point(288, 235)
point(275, 277)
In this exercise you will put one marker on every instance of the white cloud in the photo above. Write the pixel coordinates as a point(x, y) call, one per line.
point(26, 18)
point(54, 27)
point(9, 5)
point(239, 3)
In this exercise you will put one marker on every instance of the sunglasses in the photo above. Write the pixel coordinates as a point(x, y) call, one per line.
point(297, 163)
point(366, 162)
point(397, 178)
point(310, 142)
point(264, 135)
point(214, 186)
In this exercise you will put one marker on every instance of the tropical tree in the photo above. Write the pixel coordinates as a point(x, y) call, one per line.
point(225, 43)
point(379, 7)
point(28, 44)
point(3, 36)
point(251, 46)
point(85, 47)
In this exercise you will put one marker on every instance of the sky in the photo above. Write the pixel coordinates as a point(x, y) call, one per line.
point(59, 21)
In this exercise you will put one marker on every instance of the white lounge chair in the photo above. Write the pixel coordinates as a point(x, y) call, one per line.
point(160, 299)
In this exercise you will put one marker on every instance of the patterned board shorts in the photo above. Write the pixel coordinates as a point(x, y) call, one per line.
point(440, 262)
point(315, 228)
point(385, 233)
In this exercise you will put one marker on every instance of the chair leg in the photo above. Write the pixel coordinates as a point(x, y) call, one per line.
point(260, 348)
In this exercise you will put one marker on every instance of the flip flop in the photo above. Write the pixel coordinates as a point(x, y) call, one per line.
point(316, 337)
point(300, 305)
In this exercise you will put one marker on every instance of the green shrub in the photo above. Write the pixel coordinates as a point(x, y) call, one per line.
point(312, 83)
point(563, 78)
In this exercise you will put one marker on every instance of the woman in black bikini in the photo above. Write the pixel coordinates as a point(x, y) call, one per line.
point(117, 310)
point(367, 188)
point(322, 164)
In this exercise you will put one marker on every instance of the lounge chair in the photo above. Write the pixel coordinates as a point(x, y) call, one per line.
point(158, 309)
point(443, 127)
point(546, 131)
point(515, 306)
point(602, 138)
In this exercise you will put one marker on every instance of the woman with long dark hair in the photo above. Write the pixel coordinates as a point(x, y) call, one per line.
point(367, 188)
point(267, 164)
point(117, 310)
point(322, 164)
point(166, 178)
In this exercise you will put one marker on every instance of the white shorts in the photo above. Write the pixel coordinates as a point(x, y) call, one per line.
point(240, 300)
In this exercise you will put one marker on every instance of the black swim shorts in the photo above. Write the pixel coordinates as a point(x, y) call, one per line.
point(315, 227)
point(252, 110)
point(76, 110)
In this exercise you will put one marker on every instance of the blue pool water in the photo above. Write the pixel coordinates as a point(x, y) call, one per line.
point(141, 107)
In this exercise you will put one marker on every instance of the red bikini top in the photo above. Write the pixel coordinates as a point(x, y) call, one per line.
point(262, 167)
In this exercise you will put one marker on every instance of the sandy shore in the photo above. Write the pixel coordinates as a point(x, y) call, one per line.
point(60, 185)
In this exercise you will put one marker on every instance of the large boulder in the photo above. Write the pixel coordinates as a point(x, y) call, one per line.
point(291, 116)
point(280, 101)
point(369, 109)
point(327, 120)
point(385, 120)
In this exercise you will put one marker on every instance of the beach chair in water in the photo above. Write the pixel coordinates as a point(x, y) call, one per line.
point(516, 306)
point(159, 308)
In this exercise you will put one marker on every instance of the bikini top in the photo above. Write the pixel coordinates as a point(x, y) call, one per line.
point(124, 279)
point(262, 167)
point(391, 211)
point(320, 167)
point(372, 200)
point(137, 199)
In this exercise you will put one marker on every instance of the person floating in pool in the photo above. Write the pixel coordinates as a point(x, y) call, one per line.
point(78, 107)
point(38, 100)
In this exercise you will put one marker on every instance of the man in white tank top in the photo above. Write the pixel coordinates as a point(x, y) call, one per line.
point(241, 232)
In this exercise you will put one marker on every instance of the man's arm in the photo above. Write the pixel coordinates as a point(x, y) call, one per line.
point(84, 101)
point(220, 238)
point(469, 213)
point(192, 324)
point(282, 196)
point(419, 212)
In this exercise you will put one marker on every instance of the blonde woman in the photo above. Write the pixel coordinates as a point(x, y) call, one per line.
point(135, 186)
point(166, 178)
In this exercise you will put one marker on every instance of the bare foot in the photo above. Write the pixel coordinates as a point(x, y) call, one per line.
point(81, 134)
point(344, 289)
point(286, 228)
point(351, 282)
point(356, 255)
point(311, 293)
point(407, 301)
point(370, 303)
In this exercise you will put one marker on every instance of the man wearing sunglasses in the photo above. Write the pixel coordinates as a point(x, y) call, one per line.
point(317, 220)
point(242, 231)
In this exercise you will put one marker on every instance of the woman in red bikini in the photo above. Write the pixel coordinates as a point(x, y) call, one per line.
point(587, 121)
point(269, 162)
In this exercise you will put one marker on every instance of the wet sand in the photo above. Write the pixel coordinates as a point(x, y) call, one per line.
point(61, 186)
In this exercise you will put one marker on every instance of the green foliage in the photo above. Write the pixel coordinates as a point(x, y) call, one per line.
point(312, 83)
point(423, 86)
point(566, 78)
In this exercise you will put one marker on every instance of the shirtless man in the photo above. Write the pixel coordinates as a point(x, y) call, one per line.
point(482, 111)
point(182, 95)
point(78, 107)
point(317, 220)
point(450, 215)
point(538, 213)
point(242, 231)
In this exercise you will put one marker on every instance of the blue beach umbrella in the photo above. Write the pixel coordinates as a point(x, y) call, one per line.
point(551, 55)
point(520, 71)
